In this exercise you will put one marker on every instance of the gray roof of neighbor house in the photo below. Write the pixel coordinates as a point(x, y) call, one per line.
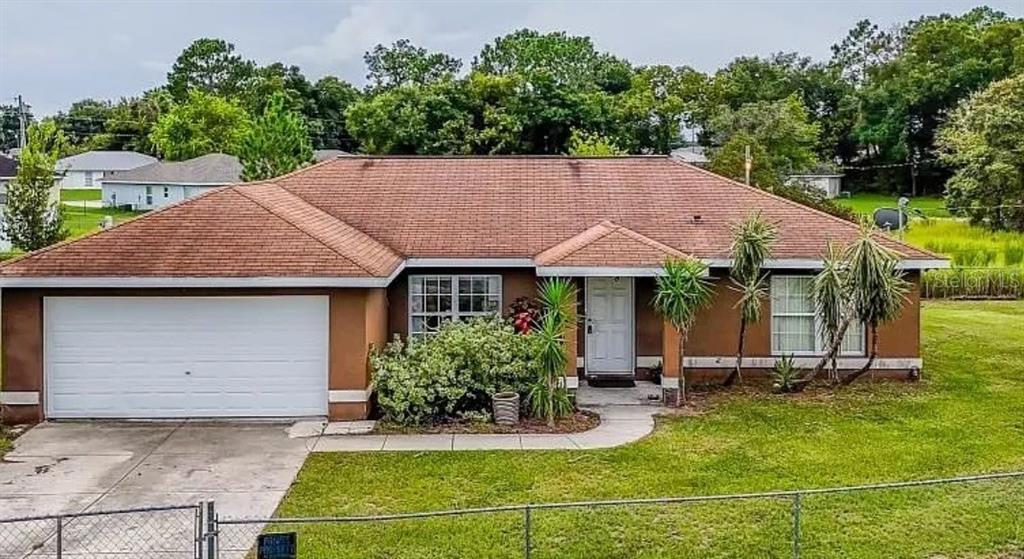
point(105, 161)
point(8, 166)
point(325, 154)
point(213, 168)
point(690, 154)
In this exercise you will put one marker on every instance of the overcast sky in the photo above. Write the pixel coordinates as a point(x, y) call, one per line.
point(53, 53)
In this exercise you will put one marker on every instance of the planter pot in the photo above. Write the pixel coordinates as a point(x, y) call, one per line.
point(506, 408)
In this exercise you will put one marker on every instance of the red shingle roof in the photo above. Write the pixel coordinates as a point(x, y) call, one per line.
point(360, 216)
point(607, 244)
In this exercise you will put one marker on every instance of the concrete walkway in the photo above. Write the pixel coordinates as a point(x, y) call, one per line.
point(627, 415)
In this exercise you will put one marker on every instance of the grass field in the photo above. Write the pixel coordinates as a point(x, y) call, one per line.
point(967, 416)
point(81, 221)
point(79, 194)
point(867, 203)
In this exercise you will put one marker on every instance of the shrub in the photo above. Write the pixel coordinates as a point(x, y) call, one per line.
point(785, 375)
point(452, 372)
point(966, 283)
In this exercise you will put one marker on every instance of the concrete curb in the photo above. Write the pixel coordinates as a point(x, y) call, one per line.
point(620, 424)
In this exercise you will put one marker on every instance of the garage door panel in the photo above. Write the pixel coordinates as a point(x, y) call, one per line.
point(186, 356)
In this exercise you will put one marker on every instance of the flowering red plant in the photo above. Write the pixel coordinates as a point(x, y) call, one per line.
point(523, 312)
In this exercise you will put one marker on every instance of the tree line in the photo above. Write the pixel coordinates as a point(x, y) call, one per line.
point(876, 108)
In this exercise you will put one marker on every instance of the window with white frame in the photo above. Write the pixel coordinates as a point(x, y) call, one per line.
point(795, 327)
point(88, 178)
point(434, 299)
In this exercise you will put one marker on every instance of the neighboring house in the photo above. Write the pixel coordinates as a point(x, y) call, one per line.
point(320, 155)
point(693, 155)
point(162, 183)
point(264, 299)
point(828, 184)
point(8, 170)
point(86, 170)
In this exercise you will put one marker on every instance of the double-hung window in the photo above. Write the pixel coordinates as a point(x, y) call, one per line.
point(434, 299)
point(795, 326)
point(88, 178)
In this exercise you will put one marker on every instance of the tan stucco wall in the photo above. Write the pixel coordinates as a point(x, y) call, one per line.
point(357, 318)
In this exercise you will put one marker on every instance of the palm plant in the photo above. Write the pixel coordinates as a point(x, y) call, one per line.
point(880, 294)
point(867, 285)
point(681, 292)
point(548, 396)
point(832, 302)
point(752, 241)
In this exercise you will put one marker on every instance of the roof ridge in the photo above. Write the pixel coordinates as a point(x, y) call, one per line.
point(306, 206)
point(787, 201)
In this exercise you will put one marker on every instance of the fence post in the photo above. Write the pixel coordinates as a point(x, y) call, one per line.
point(211, 531)
point(527, 544)
point(796, 526)
point(60, 537)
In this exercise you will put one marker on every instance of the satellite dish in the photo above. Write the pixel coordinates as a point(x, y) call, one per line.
point(890, 218)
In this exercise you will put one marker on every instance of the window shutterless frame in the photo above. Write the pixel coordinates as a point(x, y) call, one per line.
point(856, 331)
point(458, 298)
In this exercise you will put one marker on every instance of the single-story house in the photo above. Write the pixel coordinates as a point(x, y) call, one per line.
point(167, 182)
point(321, 155)
point(86, 170)
point(829, 184)
point(265, 299)
point(8, 170)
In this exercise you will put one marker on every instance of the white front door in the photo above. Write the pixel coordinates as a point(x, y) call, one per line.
point(609, 326)
point(163, 357)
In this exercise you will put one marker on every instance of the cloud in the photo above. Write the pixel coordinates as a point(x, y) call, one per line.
point(364, 27)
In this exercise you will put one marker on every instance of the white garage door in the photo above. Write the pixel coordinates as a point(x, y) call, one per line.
point(153, 357)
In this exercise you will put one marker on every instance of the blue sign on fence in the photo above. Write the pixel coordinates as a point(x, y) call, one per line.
point(276, 546)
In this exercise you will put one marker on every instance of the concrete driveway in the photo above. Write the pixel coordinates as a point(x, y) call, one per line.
point(59, 468)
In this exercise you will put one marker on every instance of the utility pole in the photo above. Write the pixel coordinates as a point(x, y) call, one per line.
point(21, 123)
point(747, 162)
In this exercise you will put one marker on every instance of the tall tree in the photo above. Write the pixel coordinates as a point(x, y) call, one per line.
point(939, 61)
point(752, 242)
point(783, 128)
point(681, 292)
point(982, 142)
point(209, 65)
point(203, 124)
point(32, 217)
point(403, 63)
point(415, 119)
point(276, 143)
point(132, 119)
point(10, 127)
point(84, 122)
point(660, 100)
point(333, 97)
point(564, 59)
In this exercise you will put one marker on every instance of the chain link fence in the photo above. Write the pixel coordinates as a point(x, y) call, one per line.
point(157, 532)
point(976, 516)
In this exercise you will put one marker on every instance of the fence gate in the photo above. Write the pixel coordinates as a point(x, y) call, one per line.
point(175, 532)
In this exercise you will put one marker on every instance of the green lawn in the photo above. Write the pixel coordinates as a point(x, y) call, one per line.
point(79, 194)
point(81, 221)
point(867, 203)
point(966, 244)
point(966, 417)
